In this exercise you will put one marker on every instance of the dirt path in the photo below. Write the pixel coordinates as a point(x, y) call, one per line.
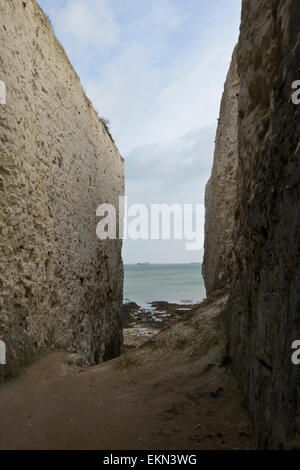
point(169, 394)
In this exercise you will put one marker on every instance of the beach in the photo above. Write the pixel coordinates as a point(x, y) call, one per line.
point(155, 296)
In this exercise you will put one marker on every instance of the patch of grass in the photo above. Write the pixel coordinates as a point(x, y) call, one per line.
point(176, 409)
point(17, 366)
point(49, 21)
point(203, 348)
point(181, 343)
point(172, 412)
point(126, 362)
point(106, 123)
point(195, 394)
point(151, 343)
point(198, 325)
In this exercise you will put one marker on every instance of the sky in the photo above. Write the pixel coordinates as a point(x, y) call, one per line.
point(156, 69)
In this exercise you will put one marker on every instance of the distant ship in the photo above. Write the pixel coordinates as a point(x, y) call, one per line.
point(195, 263)
point(143, 264)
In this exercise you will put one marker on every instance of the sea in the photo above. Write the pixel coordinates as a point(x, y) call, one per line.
point(173, 283)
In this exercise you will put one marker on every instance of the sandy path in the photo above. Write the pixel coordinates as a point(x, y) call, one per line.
point(169, 394)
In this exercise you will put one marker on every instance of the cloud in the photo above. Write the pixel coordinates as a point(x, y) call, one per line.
point(87, 24)
point(164, 16)
point(156, 70)
point(161, 72)
point(150, 104)
point(175, 170)
point(149, 100)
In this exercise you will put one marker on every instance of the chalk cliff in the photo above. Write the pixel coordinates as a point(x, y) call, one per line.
point(60, 287)
point(263, 314)
point(221, 190)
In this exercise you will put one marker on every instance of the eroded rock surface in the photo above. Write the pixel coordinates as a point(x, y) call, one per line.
point(263, 312)
point(60, 286)
point(221, 190)
point(265, 297)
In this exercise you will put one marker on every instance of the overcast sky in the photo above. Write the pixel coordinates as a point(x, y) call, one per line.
point(156, 70)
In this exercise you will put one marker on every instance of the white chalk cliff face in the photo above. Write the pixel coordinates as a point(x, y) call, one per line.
point(60, 287)
point(263, 313)
point(221, 190)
